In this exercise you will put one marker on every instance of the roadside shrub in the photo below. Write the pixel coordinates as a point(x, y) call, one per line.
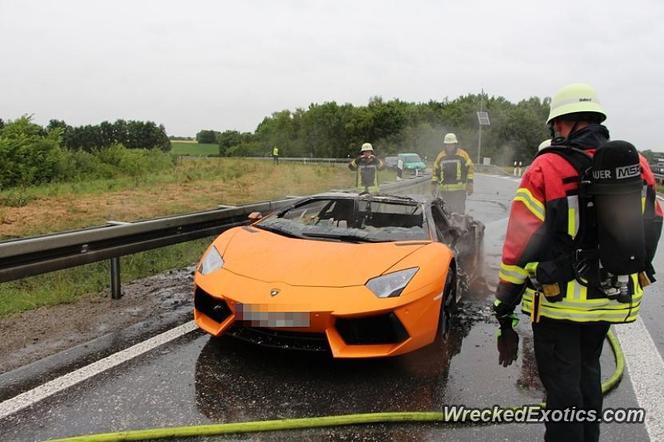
point(134, 162)
point(79, 165)
point(32, 155)
point(29, 154)
point(251, 149)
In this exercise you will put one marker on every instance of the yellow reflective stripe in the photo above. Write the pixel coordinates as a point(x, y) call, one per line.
point(470, 168)
point(512, 273)
point(531, 268)
point(602, 309)
point(572, 215)
point(532, 203)
point(452, 187)
point(591, 316)
point(576, 290)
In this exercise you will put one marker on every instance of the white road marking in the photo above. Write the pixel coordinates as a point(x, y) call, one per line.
point(23, 400)
point(646, 371)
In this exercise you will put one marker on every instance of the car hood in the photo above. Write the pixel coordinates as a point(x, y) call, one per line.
point(269, 257)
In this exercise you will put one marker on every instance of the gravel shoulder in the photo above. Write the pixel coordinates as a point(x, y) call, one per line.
point(33, 335)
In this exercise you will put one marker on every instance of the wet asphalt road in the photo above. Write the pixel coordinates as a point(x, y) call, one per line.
point(199, 380)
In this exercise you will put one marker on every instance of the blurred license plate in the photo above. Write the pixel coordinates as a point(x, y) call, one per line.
point(259, 317)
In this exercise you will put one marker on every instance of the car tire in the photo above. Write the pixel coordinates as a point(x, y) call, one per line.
point(448, 305)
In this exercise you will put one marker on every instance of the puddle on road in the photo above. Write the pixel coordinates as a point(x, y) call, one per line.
point(237, 381)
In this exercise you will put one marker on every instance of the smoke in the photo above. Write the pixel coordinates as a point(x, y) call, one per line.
point(503, 156)
point(424, 139)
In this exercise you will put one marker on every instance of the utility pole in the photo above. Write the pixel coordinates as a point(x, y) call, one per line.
point(479, 140)
point(483, 120)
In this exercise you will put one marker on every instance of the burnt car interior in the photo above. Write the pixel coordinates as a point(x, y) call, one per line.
point(359, 214)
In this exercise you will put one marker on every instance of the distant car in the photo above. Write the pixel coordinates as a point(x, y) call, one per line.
point(391, 162)
point(658, 171)
point(412, 163)
point(359, 275)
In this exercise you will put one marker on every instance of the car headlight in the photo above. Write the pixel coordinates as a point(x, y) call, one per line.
point(212, 261)
point(392, 284)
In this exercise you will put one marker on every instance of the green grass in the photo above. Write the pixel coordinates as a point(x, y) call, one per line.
point(185, 170)
point(68, 285)
point(195, 184)
point(196, 149)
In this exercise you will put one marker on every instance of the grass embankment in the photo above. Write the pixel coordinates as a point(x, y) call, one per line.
point(194, 149)
point(192, 185)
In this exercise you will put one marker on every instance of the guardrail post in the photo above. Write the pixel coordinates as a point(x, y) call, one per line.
point(116, 289)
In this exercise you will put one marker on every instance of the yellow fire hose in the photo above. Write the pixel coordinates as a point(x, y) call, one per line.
point(317, 422)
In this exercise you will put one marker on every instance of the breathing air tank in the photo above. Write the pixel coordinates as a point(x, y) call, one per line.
point(616, 186)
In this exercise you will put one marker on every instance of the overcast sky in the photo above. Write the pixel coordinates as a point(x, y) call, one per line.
point(226, 65)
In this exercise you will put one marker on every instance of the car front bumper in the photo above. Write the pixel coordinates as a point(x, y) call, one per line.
point(351, 320)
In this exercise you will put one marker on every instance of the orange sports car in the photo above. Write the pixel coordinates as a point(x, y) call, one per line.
point(359, 275)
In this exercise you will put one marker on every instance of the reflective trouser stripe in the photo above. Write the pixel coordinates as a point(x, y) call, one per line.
point(452, 187)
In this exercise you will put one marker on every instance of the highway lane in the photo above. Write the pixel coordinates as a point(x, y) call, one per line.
point(196, 380)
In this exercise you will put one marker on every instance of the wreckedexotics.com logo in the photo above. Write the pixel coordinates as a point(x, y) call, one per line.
point(536, 414)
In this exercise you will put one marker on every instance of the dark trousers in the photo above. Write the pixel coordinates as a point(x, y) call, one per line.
point(455, 201)
point(567, 357)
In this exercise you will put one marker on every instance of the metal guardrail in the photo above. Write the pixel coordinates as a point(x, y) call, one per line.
point(41, 254)
point(304, 160)
point(30, 256)
point(659, 177)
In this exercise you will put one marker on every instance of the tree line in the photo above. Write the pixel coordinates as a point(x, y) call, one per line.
point(338, 130)
point(32, 154)
point(131, 134)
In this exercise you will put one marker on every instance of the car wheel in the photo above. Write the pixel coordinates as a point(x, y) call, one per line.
point(449, 304)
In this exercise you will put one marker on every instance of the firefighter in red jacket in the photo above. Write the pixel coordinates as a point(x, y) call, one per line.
point(541, 264)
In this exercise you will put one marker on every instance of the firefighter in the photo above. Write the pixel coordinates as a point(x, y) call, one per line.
point(555, 262)
point(453, 174)
point(367, 166)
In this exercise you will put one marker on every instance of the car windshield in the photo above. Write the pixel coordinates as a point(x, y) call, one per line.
point(351, 220)
point(413, 158)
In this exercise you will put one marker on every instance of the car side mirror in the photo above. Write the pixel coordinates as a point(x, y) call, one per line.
point(255, 216)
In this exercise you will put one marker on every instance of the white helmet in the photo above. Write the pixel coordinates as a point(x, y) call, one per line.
point(450, 138)
point(573, 98)
point(545, 143)
point(366, 147)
